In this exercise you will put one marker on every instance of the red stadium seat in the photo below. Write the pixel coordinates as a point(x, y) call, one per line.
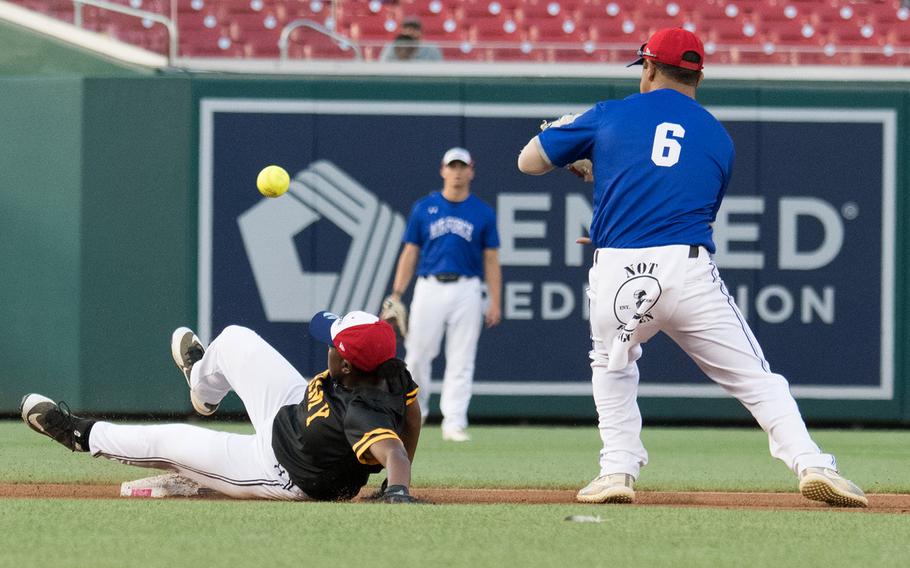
point(471, 9)
point(549, 30)
point(261, 44)
point(540, 9)
point(370, 28)
point(194, 21)
point(606, 31)
point(434, 27)
point(489, 29)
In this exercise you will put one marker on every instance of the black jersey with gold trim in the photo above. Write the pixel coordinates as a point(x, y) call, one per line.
point(323, 441)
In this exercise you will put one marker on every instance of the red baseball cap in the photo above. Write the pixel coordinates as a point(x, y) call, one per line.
point(673, 46)
point(361, 339)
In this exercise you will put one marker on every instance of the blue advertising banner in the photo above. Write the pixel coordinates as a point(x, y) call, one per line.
point(805, 237)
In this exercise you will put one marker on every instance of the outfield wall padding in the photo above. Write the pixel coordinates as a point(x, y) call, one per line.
point(124, 197)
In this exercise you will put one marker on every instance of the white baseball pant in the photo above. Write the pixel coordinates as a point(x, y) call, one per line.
point(240, 466)
point(685, 298)
point(456, 310)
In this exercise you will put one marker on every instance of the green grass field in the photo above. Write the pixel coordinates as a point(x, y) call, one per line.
point(95, 533)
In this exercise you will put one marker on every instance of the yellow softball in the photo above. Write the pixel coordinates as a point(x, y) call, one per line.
point(273, 181)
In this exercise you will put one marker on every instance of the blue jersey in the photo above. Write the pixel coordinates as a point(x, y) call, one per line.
point(662, 164)
point(451, 235)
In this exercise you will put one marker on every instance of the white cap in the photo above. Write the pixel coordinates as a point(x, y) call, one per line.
point(457, 155)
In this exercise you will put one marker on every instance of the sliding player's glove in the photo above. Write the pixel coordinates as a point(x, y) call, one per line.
point(394, 312)
point(398, 494)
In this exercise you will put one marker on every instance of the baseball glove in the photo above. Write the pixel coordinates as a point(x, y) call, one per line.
point(394, 312)
point(561, 121)
point(398, 494)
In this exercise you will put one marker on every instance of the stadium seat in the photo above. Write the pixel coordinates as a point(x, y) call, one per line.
point(489, 29)
point(370, 28)
point(434, 27)
point(606, 31)
point(472, 9)
point(261, 45)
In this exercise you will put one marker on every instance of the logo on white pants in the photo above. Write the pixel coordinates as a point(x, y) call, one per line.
point(321, 192)
point(637, 295)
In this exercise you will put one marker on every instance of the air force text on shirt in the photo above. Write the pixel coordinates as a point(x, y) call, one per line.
point(531, 236)
point(451, 225)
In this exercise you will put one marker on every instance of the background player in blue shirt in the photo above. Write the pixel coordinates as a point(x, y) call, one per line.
point(661, 165)
point(452, 243)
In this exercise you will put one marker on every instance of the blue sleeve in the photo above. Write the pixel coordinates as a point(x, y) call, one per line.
point(413, 233)
point(565, 144)
point(491, 234)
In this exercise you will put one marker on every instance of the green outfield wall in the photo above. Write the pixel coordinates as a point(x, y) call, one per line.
point(100, 230)
point(23, 52)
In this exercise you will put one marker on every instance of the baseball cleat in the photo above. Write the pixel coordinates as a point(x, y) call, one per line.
point(187, 350)
point(45, 416)
point(609, 488)
point(828, 486)
point(455, 435)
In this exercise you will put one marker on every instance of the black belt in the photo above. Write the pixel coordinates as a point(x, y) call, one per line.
point(446, 277)
point(693, 252)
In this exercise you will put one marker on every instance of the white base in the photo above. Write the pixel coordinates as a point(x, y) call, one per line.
point(166, 485)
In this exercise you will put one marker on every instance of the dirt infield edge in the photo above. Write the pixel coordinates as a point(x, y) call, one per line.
point(878, 503)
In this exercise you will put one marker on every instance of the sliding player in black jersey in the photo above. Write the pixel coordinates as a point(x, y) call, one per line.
point(318, 441)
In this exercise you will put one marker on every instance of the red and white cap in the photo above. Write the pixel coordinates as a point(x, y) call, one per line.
point(673, 46)
point(361, 339)
point(457, 155)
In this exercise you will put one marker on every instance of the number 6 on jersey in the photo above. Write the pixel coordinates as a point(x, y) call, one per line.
point(665, 151)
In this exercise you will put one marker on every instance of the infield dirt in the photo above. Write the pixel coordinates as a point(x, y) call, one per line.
point(878, 503)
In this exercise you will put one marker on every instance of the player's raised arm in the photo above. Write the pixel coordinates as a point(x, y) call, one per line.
point(569, 147)
point(533, 160)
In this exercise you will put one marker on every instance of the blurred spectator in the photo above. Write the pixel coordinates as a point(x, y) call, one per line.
point(407, 46)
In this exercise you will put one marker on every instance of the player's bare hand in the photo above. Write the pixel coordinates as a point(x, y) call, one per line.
point(493, 316)
point(583, 169)
point(583, 241)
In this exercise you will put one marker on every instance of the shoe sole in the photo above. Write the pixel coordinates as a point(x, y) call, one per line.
point(29, 402)
point(180, 339)
point(27, 405)
point(820, 488)
point(623, 495)
point(203, 408)
point(177, 339)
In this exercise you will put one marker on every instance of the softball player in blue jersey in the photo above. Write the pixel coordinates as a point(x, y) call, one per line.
point(661, 164)
point(452, 243)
